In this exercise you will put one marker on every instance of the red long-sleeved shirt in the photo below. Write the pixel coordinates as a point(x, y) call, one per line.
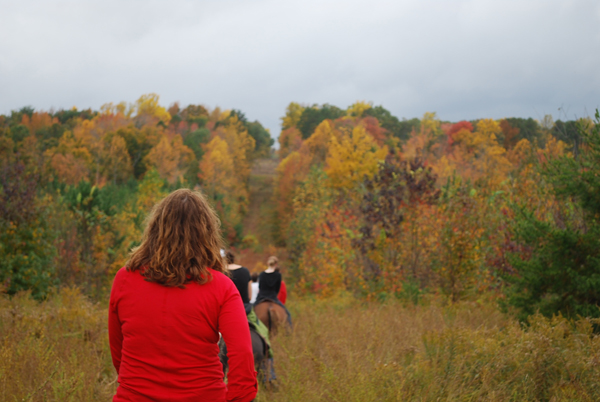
point(163, 340)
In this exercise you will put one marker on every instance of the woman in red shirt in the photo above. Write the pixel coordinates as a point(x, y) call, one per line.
point(167, 309)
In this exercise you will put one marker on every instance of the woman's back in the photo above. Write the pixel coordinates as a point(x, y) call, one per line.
point(164, 340)
point(269, 284)
point(241, 278)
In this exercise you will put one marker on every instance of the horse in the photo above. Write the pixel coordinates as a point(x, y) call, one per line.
point(259, 350)
point(272, 315)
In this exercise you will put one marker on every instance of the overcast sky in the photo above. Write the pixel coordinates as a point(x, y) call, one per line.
point(462, 59)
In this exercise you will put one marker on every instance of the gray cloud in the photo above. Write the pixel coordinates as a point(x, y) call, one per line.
point(462, 59)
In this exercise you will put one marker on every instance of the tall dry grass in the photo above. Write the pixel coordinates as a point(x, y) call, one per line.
point(340, 350)
point(344, 350)
point(54, 351)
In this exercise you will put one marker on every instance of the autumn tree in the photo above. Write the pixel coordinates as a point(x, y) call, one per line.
point(293, 112)
point(358, 108)
point(171, 158)
point(397, 186)
point(510, 134)
point(459, 244)
point(117, 165)
point(148, 111)
point(223, 186)
point(351, 158)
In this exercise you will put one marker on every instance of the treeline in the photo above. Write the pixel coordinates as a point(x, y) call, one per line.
point(75, 185)
point(384, 207)
point(364, 202)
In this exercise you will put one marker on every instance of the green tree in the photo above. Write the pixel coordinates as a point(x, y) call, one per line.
point(567, 132)
point(261, 136)
point(399, 129)
point(529, 129)
point(313, 116)
point(196, 140)
point(559, 268)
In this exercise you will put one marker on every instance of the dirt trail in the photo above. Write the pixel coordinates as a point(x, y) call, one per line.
point(259, 219)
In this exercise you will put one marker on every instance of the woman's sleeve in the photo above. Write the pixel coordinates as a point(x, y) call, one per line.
point(233, 325)
point(115, 336)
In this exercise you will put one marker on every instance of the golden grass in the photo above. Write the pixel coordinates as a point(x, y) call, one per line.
point(54, 351)
point(340, 350)
point(344, 350)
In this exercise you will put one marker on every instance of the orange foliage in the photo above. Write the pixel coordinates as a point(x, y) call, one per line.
point(170, 158)
point(290, 140)
point(38, 121)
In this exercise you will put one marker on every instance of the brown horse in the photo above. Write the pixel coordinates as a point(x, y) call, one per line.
point(272, 315)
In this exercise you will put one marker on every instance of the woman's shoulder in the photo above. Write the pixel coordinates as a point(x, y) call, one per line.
point(124, 274)
point(124, 279)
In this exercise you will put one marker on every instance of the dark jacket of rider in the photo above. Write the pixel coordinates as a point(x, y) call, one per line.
point(268, 286)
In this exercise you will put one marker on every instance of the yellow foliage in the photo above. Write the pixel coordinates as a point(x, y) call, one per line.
point(358, 108)
point(216, 167)
point(519, 152)
point(225, 115)
point(292, 115)
point(117, 162)
point(489, 128)
point(147, 105)
point(317, 145)
point(241, 146)
point(554, 148)
point(352, 158)
point(222, 183)
point(430, 124)
point(477, 155)
point(119, 108)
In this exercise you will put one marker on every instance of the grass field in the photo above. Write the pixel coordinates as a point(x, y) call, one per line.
point(340, 350)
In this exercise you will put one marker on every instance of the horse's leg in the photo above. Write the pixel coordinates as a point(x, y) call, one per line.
point(258, 348)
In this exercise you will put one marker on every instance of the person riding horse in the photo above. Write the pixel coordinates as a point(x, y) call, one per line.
point(241, 278)
point(269, 285)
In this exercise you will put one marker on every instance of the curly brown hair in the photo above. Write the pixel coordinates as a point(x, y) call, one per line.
point(181, 242)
